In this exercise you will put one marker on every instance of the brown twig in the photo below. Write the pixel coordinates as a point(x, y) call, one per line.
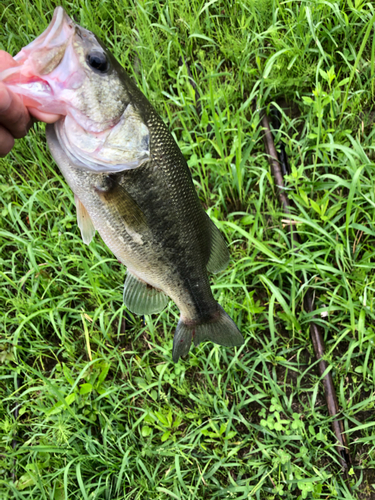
point(316, 336)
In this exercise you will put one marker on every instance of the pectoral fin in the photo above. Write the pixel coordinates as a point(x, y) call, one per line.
point(141, 298)
point(84, 222)
point(119, 200)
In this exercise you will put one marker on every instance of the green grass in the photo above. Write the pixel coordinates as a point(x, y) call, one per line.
point(224, 423)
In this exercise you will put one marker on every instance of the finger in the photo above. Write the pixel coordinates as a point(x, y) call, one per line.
point(12, 104)
point(13, 114)
point(44, 117)
point(6, 141)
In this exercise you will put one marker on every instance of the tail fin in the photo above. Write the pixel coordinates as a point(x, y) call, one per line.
point(221, 330)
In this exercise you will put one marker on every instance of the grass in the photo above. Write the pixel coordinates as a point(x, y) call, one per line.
point(103, 411)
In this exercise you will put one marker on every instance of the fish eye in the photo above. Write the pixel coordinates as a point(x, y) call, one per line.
point(98, 61)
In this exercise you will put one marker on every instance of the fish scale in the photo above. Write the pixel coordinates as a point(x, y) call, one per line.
point(130, 180)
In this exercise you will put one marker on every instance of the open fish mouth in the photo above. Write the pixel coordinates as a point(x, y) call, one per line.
point(38, 60)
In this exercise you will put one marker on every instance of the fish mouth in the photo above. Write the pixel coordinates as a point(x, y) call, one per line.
point(43, 54)
point(36, 61)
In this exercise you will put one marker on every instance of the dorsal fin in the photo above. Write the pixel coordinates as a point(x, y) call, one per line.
point(219, 253)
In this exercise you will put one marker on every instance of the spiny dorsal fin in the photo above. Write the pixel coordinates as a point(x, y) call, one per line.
point(142, 298)
point(84, 222)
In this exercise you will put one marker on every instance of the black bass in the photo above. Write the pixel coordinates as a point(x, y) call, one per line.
point(130, 180)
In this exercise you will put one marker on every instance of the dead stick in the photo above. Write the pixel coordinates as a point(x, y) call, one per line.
point(316, 336)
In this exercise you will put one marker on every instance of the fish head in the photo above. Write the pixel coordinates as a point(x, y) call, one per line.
point(67, 70)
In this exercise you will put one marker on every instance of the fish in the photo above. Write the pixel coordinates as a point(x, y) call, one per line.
point(130, 181)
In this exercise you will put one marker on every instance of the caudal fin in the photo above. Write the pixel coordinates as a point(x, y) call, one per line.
point(221, 330)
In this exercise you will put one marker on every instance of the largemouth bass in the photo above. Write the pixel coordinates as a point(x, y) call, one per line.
point(130, 180)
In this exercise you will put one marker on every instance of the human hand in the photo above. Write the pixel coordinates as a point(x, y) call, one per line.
point(15, 117)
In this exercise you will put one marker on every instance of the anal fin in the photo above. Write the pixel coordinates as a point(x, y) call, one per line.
point(84, 222)
point(141, 298)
